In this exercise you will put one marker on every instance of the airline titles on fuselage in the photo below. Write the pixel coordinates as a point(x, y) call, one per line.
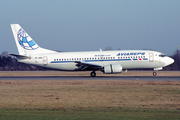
point(136, 53)
point(101, 55)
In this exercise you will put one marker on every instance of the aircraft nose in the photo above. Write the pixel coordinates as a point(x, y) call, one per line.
point(168, 61)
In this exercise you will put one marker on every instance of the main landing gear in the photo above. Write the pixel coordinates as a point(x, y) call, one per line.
point(93, 74)
point(154, 73)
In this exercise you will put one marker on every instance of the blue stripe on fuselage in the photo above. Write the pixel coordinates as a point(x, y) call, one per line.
point(97, 60)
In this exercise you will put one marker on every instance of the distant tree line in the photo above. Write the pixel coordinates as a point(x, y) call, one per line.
point(9, 63)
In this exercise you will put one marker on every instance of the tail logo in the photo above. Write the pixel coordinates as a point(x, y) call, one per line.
point(26, 41)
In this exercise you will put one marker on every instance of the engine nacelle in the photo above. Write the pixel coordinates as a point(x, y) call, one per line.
point(112, 68)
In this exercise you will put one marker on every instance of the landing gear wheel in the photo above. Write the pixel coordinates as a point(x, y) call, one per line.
point(154, 73)
point(93, 74)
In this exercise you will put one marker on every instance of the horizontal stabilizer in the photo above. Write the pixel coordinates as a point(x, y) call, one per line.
point(20, 56)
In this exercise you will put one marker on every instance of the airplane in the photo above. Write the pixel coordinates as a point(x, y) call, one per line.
point(109, 62)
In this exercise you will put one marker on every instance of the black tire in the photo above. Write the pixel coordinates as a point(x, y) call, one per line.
point(154, 73)
point(93, 74)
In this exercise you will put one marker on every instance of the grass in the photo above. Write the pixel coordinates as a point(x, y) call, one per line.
point(91, 114)
point(89, 99)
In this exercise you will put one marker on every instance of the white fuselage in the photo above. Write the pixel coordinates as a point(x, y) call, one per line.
point(129, 59)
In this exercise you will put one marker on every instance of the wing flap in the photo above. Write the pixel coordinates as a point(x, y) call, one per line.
point(86, 65)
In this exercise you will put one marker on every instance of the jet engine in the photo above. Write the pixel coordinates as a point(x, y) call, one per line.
point(112, 68)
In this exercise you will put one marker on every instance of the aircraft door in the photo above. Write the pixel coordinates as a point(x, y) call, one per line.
point(151, 57)
point(45, 60)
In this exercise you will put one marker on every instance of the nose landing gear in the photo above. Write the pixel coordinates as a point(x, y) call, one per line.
point(154, 73)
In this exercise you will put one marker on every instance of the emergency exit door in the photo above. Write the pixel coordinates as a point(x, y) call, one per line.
point(45, 60)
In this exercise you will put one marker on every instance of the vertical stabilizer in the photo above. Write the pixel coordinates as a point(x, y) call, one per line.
point(25, 44)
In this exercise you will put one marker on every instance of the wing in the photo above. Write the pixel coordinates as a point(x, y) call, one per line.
point(88, 66)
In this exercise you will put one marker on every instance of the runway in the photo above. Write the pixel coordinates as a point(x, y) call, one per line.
point(143, 78)
point(59, 75)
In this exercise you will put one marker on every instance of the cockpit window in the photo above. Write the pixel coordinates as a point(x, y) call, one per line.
point(162, 55)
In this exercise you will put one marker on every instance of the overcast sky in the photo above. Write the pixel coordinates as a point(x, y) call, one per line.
point(88, 25)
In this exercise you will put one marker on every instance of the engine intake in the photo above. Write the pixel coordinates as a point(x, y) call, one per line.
point(112, 68)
